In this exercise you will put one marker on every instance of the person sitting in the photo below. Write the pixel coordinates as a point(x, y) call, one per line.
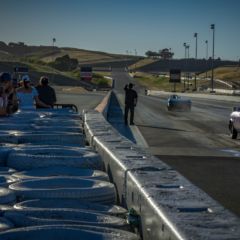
point(27, 95)
point(46, 93)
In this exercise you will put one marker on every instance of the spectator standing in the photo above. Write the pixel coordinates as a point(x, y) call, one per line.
point(3, 102)
point(8, 103)
point(28, 95)
point(46, 93)
point(130, 103)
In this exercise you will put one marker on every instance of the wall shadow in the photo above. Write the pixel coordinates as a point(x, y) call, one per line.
point(116, 118)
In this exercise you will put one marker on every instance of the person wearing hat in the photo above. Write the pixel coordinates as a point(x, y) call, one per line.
point(7, 94)
point(46, 93)
point(28, 95)
point(130, 103)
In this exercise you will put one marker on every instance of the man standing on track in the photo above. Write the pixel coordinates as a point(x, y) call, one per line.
point(130, 102)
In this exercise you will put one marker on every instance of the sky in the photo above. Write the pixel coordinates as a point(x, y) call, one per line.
point(123, 26)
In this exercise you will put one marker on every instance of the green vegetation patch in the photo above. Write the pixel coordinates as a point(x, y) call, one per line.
point(156, 82)
point(228, 73)
point(100, 81)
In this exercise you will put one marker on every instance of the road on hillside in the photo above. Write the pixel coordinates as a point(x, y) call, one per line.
point(195, 143)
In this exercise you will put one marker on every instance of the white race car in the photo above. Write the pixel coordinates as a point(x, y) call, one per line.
point(234, 122)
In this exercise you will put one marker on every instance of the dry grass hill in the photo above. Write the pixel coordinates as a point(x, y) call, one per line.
point(40, 59)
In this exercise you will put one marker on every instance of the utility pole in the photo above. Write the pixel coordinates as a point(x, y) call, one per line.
point(53, 40)
point(195, 77)
point(188, 46)
point(206, 57)
point(185, 57)
point(135, 59)
point(212, 78)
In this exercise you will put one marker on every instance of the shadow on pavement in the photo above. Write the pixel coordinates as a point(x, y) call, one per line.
point(116, 119)
point(163, 128)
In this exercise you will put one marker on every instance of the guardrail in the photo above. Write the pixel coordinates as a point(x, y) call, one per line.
point(168, 205)
point(225, 91)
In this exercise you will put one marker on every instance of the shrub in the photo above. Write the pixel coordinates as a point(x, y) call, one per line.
point(65, 63)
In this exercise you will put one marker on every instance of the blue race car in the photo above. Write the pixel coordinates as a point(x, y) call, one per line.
point(178, 103)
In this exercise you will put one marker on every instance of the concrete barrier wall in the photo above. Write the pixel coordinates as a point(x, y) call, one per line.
point(169, 206)
point(104, 105)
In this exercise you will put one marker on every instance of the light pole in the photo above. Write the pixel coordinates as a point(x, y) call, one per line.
point(187, 47)
point(135, 59)
point(206, 42)
point(53, 40)
point(185, 57)
point(195, 77)
point(213, 30)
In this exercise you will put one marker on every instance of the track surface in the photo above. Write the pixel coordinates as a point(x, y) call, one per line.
point(196, 143)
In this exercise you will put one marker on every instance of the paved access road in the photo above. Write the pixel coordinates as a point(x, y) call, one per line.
point(84, 101)
point(196, 143)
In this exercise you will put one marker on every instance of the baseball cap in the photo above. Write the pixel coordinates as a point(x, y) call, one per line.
point(26, 78)
point(5, 76)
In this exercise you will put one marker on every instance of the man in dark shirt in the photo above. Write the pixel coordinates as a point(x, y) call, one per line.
point(130, 102)
point(46, 93)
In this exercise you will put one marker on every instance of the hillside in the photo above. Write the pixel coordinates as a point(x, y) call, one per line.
point(19, 51)
point(229, 74)
point(36, 71)
point(40, 61)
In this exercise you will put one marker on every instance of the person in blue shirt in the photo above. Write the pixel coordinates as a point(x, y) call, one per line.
point(27, 96)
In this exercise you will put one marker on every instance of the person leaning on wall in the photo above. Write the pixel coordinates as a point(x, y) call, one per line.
point(46, 93)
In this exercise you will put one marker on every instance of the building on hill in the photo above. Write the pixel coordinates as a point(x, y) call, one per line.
point(166, 53)
point(19, 44)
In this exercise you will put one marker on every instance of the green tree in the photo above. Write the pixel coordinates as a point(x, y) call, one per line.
point(65, 63)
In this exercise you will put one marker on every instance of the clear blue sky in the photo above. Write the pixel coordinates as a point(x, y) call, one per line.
point(119, 25)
